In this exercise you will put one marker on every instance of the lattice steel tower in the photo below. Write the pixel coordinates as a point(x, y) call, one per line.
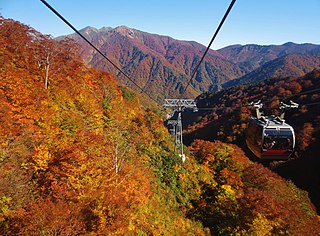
point(178, 105)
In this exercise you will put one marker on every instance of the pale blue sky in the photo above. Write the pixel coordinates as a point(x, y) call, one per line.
point(250, 21)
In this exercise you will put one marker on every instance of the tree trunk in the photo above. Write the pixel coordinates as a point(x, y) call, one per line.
point(47, 73)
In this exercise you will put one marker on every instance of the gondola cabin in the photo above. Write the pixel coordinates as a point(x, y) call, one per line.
point(270, 138)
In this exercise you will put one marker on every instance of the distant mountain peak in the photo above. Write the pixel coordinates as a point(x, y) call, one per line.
point(125, 31)
point(105, 28)
point(122, 27)
point(289, 44)
point(88, 29)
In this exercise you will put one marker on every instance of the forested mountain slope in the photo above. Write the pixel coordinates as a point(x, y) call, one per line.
point(161, 64)
point(70, 159)
point(226, 112)
point(224, 116)
point(252, 56)
point(293, 65)
point(79, 155)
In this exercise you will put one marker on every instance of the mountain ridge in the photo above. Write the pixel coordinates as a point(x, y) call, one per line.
point(254, 55)
point(291, 65)
point(160, 59)
point(163, 65)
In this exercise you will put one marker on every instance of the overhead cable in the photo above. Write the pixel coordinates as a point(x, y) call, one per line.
point(207, 49)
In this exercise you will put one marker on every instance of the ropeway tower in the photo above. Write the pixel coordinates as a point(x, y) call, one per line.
point(178, 105)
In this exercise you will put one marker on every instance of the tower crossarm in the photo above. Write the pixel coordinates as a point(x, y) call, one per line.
point(180, 104)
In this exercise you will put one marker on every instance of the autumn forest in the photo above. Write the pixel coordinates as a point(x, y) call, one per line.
point(80, 155)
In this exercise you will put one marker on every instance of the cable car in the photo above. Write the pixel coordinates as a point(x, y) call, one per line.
point(269, 137)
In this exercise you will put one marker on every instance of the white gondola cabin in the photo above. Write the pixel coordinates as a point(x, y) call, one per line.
point(269, 137)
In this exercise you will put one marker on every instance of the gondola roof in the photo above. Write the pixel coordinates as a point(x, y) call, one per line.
point(271, 122)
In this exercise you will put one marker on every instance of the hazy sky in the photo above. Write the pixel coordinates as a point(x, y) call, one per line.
point(250, 21)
